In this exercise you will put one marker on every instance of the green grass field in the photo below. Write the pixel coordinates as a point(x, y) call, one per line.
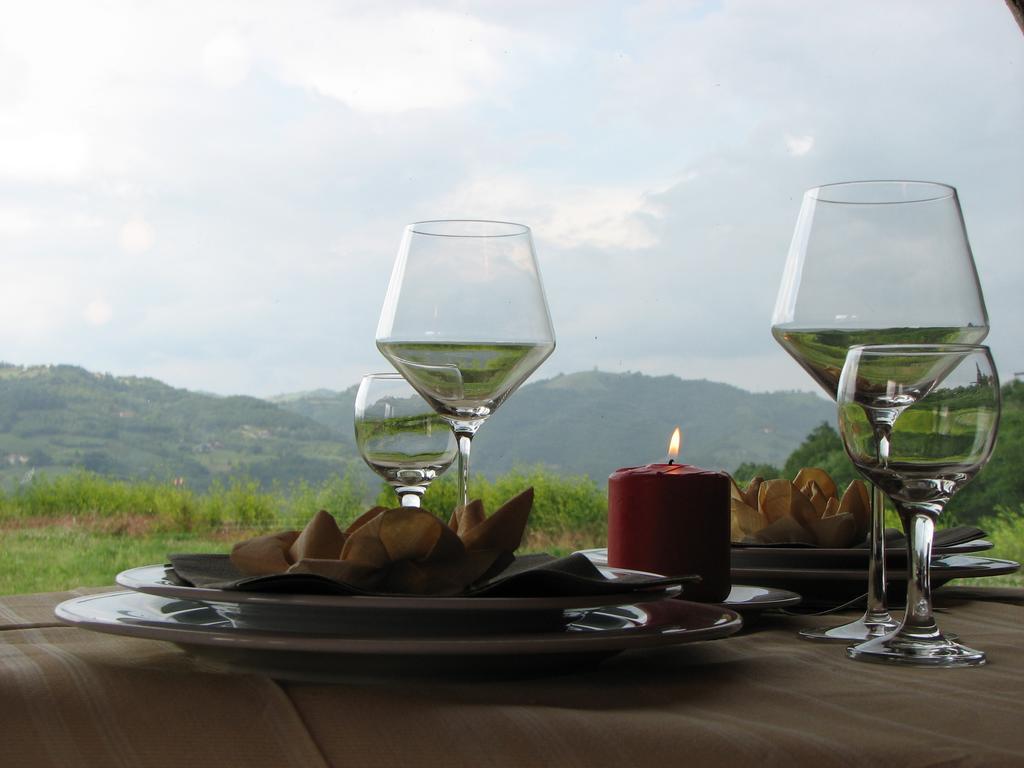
point(1006, 531)
point(81, 530)
point(67, 556)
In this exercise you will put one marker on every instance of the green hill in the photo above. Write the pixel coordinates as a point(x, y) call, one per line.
point(1000, 484)
point(327, 407)
point(54, 418)
point(592, 423)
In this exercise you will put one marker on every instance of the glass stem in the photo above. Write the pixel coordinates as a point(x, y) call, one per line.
point(877, 608)
point(919, 526)
point(465, 439)
point(410, 495)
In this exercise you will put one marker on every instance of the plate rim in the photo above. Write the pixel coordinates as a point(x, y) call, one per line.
point(565, 641)
point(979, 566)
point(965, 548)
point(790, 599)
point(130, 579)
point(981, 544)
point(985, 566)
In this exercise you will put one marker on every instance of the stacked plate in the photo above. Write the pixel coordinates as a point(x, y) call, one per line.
point(829, 577)
point(832, 576)
point(317, 637)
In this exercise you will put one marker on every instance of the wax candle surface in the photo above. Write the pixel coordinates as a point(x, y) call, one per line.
point(672, 519)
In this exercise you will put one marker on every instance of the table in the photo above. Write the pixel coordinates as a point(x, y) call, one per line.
point(70, 697)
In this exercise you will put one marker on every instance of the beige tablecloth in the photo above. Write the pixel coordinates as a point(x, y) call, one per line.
point(70, 697)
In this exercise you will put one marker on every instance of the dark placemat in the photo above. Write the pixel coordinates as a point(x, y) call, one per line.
point(944, 537)
point(527, 576)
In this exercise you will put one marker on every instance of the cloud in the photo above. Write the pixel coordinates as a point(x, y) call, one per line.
point(231, 180)
point(98, 312)
point(33, 309)
point(568, 215)
point(798, 146)
point(226, 60)
point(95, 95)
point(399, 60)
point(137, 236)
point(50, 155)
point(17, 222)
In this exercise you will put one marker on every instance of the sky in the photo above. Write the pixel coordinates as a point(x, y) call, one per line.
point(213, 193)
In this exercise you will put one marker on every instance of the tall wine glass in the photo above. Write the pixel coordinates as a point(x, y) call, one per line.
point(936, 408)
point(465, 320)
point(875, 262)
point(400, 437)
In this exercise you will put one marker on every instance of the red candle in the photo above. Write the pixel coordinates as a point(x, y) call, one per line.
point(672, 519)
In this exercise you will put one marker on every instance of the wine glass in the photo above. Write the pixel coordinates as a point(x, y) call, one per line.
point(465, 320)
point(875, 262)
point(919, 421)
point(400, 436)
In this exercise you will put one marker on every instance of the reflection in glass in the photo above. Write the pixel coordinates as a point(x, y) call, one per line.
point(919, 421)
point(875, 262)
point(465, 320)
point(400, 436)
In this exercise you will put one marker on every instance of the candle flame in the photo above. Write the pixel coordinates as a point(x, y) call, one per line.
point(673, 444)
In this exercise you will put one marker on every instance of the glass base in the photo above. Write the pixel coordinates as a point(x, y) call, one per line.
point(855, 632)
point(937, 651)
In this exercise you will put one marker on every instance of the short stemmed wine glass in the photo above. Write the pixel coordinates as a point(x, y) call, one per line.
point(400, 436)
point(919, 421)
point(465, 320)
point(875, 262)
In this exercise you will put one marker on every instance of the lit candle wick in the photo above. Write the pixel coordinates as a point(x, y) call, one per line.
point(673, 446)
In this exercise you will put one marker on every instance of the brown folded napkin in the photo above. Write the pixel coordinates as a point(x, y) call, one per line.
point(527, 576)
point(408, 551)
point(807, 511)
point(405, 550)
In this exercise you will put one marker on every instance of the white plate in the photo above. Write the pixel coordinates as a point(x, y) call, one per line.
point(200, 629)
point(742, 598)
point(746, 599)
point(155, 580)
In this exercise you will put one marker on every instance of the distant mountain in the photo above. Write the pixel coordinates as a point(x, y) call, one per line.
point(592, 423)
point(332, 409)
point(53, 418)
point(56, 417)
